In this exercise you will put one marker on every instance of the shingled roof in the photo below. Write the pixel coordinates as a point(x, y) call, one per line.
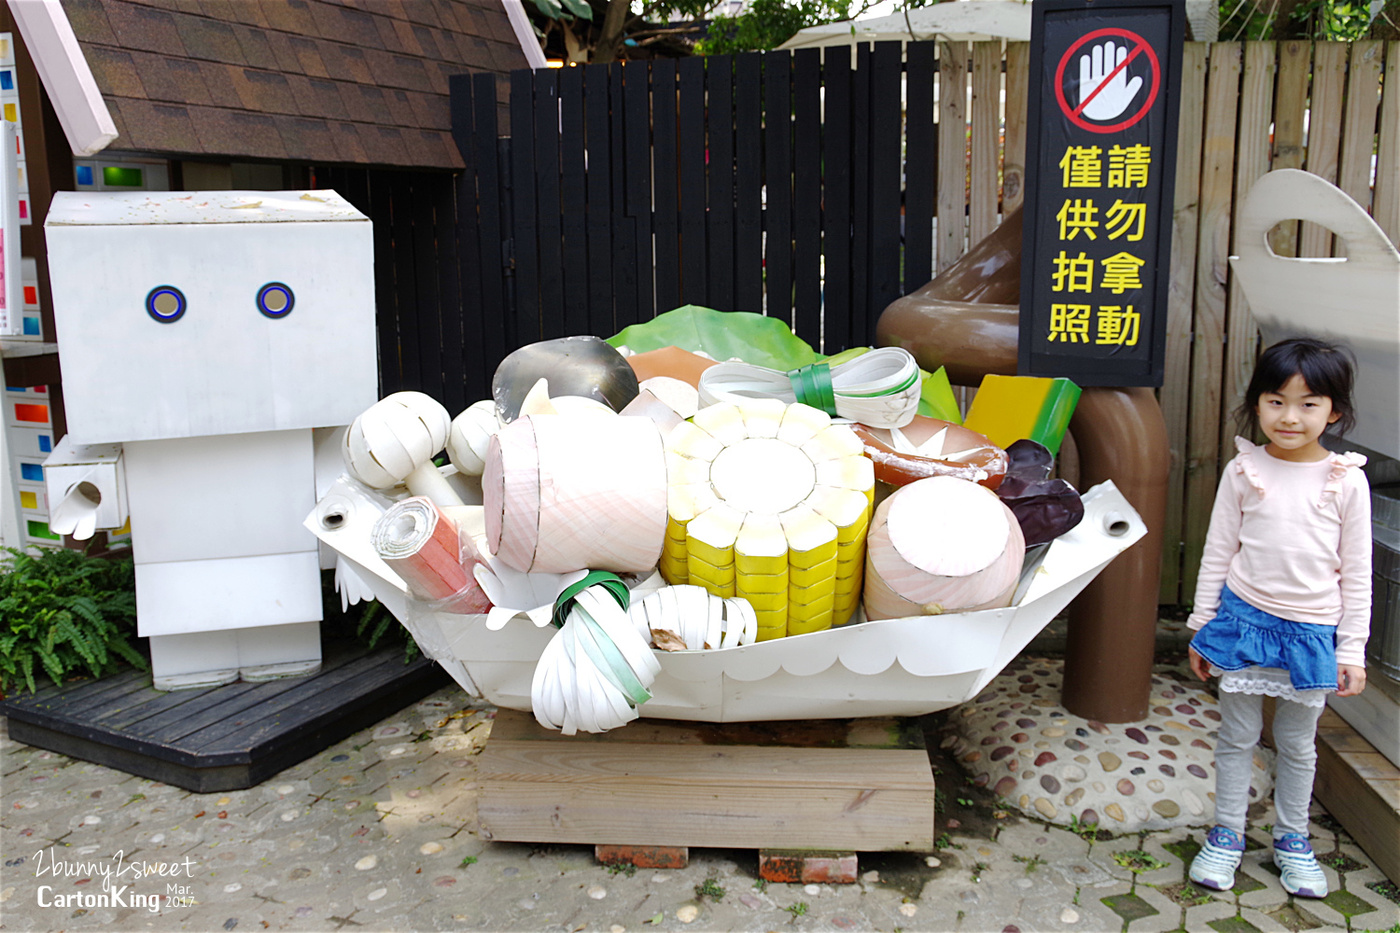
point(324, 81)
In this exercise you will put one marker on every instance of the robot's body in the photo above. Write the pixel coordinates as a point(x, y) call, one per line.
point(209, 334)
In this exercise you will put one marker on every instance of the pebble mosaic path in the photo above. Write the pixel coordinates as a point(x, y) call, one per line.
point(378, 833)
point(1016, 740)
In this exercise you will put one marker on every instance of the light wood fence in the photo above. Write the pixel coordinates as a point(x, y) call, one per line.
point(845, 233)
point(1247, 108)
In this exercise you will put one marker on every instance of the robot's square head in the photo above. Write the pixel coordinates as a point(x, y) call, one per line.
point(184, 314)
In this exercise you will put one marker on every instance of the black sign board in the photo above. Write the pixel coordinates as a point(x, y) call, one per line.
point(1100, 172)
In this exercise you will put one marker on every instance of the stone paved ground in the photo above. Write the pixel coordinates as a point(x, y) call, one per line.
point(378, 833)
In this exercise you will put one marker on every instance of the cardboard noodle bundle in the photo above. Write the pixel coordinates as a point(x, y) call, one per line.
point(940, 545)
point(769, 502)
point(573, 492)
point(424, 547)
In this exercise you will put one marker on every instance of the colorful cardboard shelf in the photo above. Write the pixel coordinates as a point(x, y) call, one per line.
point(221, 738)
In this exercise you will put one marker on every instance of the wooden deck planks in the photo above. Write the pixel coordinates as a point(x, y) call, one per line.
point(1361, 788)
point(222, 738)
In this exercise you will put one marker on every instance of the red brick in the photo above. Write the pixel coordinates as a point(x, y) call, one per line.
point(643, 856)
point(807, 867)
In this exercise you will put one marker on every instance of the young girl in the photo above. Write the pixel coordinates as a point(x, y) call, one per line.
point(1283, 600)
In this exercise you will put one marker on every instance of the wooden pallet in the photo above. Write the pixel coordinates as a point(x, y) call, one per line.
point(833, 785)
point(221, 738)
point(1361, 788)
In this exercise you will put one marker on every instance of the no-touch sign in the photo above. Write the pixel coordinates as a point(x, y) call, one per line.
point(1100, 80)
point(1100, 169)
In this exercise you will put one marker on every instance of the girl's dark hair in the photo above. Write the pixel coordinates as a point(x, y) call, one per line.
point(1327, 368)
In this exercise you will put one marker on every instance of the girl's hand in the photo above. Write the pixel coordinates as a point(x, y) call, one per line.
point(1351, 679)
point(1201, 667)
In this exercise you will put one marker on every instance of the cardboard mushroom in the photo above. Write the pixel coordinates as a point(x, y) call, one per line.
point(394, 441)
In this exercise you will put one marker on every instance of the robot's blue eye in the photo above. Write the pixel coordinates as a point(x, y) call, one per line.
point(275, 300)
point(166, 303)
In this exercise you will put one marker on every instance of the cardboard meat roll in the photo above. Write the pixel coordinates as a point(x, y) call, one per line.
point(575, 492)
point(940, 545)
point(930, 447)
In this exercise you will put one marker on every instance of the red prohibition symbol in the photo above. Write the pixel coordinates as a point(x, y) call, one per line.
point(1137, 46)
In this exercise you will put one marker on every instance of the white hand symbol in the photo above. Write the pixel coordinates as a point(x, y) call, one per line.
point(1117, 93)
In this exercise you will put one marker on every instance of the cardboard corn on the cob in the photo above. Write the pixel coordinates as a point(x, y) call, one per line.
point(770, 502)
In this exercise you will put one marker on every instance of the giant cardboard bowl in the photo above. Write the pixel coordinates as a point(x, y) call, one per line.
point(900, 667)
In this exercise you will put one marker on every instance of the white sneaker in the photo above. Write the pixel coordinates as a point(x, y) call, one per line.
point(1214, 866)
point(1298, 868)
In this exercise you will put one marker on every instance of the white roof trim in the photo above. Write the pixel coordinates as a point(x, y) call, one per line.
point(65, 75)
point(524, 34)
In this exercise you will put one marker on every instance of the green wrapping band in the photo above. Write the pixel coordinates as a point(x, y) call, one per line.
point(890, 390)
point(606, 657)
point(812, 386)
point(608, 581)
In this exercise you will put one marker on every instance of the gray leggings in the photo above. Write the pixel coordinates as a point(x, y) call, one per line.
point(1295, 740)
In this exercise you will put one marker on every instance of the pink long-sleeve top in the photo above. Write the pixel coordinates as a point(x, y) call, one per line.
point(1292, 539)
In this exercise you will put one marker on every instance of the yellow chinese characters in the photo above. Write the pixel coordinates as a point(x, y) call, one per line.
point(1083, 167)
point(1069, 323)
point(1077, 216)
point(1127, 166)
point(1120, 273)
point(1073, 274)
point(1113, 325)
point(1125, 219)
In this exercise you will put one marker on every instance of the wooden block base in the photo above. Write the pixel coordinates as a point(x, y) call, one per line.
point(785, 867)
point(1361, 788)
point(832, 785)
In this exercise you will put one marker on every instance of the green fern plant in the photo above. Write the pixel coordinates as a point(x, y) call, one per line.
point(62, 612)
point(375, 623)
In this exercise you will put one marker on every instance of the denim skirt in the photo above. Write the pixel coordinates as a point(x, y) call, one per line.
point(1242, 636)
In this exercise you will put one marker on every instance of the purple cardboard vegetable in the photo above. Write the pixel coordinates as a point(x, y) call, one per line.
point(1046, 508)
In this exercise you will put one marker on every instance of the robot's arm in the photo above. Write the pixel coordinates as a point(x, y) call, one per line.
point(86, 487)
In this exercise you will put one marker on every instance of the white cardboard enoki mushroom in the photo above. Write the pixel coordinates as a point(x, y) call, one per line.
point(394, 441)
point(940, 545)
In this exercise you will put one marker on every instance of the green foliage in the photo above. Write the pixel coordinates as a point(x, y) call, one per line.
point(767, 24)
point(555, 9)
point(1032, 862)
point(1137, 861)
point(797, 909)
point(1322, 20)
point(709, 888)
point(375, 624)
point(62, 612)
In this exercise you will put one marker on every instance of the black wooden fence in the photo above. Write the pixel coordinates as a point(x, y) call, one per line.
point(772, 182)
point(760, 182)
point(428, 310)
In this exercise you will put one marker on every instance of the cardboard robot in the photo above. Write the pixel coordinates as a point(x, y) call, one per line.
point(208, 340)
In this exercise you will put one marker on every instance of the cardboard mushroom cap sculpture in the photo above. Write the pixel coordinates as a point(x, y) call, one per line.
point(940, 545)
point(394, 441)
point(584, 366)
